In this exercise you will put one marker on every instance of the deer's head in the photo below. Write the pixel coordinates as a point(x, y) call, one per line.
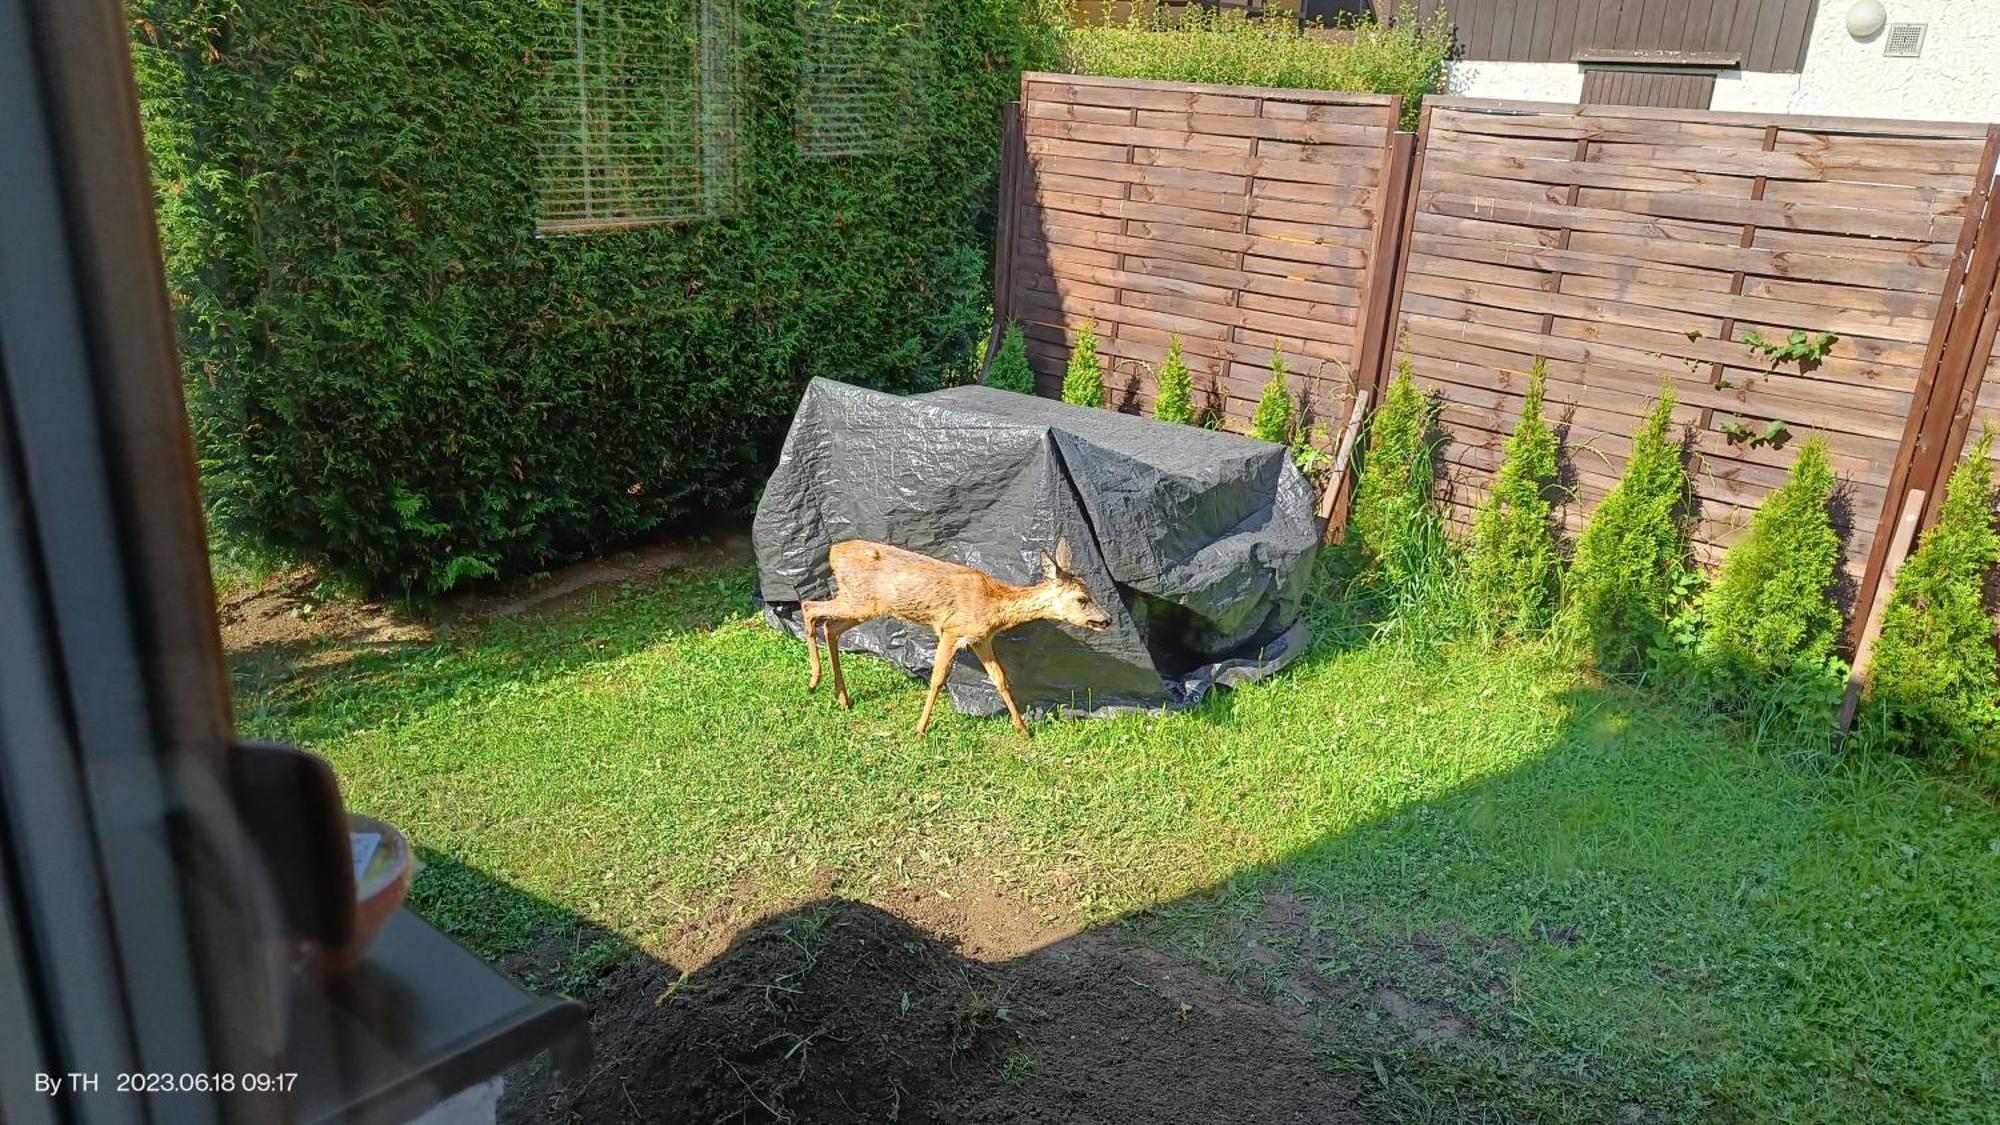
point(1063, 597)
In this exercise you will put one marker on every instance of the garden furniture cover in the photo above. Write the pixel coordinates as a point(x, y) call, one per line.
point(1198, 544)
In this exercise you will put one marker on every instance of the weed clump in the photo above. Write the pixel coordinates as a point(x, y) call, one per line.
point(1771, 614)
point(1511, 564)
point(1631, 554)
point(1272, 420)
point(1010, 366)
point(1393, 515)
point(1935, 682)
point(1083, 381)
point(1175, 402)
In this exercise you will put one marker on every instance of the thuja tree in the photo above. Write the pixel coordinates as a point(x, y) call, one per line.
point(1935, 684)
point(1632, 550)
point(1511, 564)
point(1771, 614)
point(1083, 380)
point(1394, 518)
point(1272, 420)
point(1010, 365)
point(1175, 401)
point(391, 373)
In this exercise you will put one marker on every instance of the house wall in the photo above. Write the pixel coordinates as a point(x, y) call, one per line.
point(1956, 79)
point(1765, 34)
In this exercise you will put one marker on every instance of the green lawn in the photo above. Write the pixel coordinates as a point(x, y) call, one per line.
point(1631, 915)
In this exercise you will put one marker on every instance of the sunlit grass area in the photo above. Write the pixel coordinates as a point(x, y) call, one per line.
point(1496, 888)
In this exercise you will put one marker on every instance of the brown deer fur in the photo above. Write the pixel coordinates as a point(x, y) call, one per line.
point(966, 609)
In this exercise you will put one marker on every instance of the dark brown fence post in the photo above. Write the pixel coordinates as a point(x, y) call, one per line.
point(1013, 154)
point(1392, 211)
point(1399, 263)
point(1953, 362)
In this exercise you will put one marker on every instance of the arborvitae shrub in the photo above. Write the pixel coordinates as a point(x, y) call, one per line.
point(390, 373)
point(1771, 613)
point(1175, 402)
point(1010, 370)
point(1633, 550)
point(1393, 514)
point(1083, 380)
point(1935, 686)
point(1272, 420)
point(1511, 564)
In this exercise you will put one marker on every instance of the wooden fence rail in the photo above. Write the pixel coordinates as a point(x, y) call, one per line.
point(1630, 248)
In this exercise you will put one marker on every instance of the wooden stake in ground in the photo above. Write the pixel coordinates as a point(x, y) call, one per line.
point(1899, 549)
point(1337, 479)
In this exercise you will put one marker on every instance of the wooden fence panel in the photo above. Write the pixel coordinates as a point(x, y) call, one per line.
point(1632, 247)
point(1239, 218)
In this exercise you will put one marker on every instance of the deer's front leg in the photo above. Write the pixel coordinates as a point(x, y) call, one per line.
point(984, 651)
point(940, 668)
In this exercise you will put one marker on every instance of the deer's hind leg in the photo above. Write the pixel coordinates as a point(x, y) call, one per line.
point(835, 626)
point(984, 651)
point(809, 612)
point(940, 669)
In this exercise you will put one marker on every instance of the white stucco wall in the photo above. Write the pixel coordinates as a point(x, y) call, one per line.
point(1520, 81)
point(1956, 79)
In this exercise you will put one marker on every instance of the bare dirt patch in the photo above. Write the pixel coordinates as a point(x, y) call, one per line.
point(293, 614)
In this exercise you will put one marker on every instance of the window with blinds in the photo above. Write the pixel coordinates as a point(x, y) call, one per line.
point(640, 115)
point(860, 61)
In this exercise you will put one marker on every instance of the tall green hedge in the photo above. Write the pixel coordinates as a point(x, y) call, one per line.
point(1189, 44)
point(392, 374)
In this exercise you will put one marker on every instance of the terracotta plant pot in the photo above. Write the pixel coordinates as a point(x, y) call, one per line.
point(379, 888)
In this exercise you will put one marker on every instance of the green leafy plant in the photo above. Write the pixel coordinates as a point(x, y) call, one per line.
point(1309, 454)
point(1083, 379)
point(1632, 551)
point(1190, 44)
point(348, 201)
point(1010, 371)
point(1738, 432)
point(1395, 516)
point(1511, 563)
point(1770, 614)
point(1175, 400)
point(1934, 681)
point(1272, 420)
point(1803, 348)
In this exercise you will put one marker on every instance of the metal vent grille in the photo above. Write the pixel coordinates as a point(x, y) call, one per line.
point(860, 62)
point(1905, 40)
point(640, 117)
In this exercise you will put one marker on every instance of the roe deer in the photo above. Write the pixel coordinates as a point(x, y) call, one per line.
point(966, 608)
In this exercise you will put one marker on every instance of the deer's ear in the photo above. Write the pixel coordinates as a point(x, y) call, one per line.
point(1049, 568)
point(1065, 562)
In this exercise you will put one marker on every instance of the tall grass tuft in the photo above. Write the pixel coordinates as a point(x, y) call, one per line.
point(1771, 615)
point(1935, 684)
point(1010, 366)
point(1083, 380)
point(1511, 565)
point(1175, 401)
point(1192, 44)
point(1633, 551)
point(1272, 420)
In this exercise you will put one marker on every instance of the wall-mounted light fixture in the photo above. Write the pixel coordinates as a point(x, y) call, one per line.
point(1866, 18)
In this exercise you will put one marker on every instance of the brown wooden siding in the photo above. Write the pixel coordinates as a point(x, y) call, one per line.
point(1765, 35)
point(1662, 89)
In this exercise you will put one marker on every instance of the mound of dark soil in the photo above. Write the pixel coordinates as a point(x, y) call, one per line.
point(841, 1012)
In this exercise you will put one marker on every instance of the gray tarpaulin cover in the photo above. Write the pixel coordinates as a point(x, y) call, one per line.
point(1199, 544)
